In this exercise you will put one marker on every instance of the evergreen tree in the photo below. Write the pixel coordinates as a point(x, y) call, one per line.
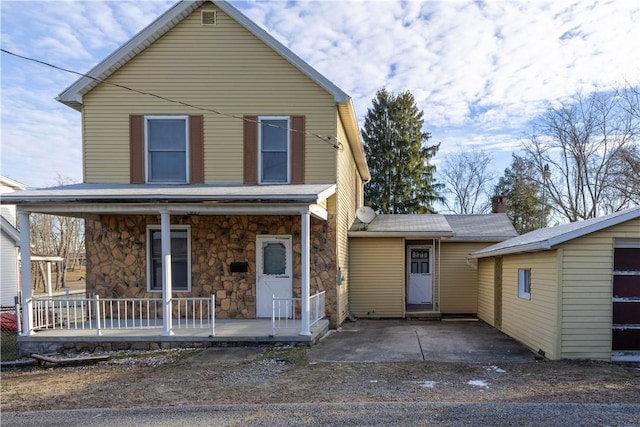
point(522, 191)
point(398, 157)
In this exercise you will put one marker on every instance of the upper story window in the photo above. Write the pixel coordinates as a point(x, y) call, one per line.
point(274, 167)
point(167, 142)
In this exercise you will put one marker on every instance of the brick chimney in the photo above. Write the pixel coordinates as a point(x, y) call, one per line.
point(499, 204)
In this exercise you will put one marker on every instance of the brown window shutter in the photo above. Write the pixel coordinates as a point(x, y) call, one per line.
point(196, 149)
point(136, 149)
point(250, 149)
point(297, 150)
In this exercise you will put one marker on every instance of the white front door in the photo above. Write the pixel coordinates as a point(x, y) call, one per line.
point(273, 273)
point(419, 277)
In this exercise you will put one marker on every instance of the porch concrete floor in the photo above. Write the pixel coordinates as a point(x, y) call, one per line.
point(231, 331)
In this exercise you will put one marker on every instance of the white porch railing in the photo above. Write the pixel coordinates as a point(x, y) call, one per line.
point(120, 313)
point(316, 307)
point(287, 311)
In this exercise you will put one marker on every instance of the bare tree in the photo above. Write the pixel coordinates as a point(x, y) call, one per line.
point(56, 236)
point(468, 178)
point(589, 145)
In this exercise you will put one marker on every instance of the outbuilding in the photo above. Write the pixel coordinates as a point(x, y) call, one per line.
point(567, 292)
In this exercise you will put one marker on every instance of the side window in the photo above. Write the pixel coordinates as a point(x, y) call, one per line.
point(274, 150)
point(167, 143)
point(180, 259)
point(524, 283)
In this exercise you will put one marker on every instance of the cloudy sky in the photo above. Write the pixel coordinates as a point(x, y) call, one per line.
point(480, 71)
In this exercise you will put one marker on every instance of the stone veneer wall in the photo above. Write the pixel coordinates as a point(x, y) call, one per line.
point(116, 258)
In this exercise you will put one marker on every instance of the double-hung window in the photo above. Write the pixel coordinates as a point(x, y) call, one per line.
point(524, 283)
point(167, 142)
point(180, 258)
point(274, 148)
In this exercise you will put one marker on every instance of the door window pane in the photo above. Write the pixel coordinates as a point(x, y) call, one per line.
point(420, 261)
point(274, 259)
point(424, 267)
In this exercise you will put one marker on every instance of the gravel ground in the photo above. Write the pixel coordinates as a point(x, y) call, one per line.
point(341, 414)
point(178, 379)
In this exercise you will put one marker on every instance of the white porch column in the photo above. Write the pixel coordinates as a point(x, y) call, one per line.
point(305, 247)
point(25, 259)
point(165, 231)
point(49, 287)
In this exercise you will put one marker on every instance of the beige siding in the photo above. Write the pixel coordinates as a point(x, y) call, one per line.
point(377, 284)
point(459, 282)
point(486, 288)
point(586, 292)
point(346, 208)
point(532, 322)
point(220, 68)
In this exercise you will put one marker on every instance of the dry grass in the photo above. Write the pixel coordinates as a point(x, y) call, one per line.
point(285, 376)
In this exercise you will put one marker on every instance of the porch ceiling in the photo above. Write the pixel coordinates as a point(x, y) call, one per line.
point(82, 200)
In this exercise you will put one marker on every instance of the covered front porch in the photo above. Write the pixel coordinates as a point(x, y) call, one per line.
point(73, 323)
point(241, 257)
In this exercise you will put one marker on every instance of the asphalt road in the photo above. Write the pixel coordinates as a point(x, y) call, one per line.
point(369, 414)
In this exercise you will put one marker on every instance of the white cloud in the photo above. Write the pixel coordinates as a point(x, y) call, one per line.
point(480, 71)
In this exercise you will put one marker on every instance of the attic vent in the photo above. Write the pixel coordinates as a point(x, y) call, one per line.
point(208, 17)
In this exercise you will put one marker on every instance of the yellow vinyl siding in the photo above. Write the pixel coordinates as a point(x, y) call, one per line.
point(486, 287)
point(532, 322)
point(377, 283)
point(347, 205)
point(223, 68)
point(586, 292)
point(459, 281)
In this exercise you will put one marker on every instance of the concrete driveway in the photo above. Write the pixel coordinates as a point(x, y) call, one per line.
point(415, 340)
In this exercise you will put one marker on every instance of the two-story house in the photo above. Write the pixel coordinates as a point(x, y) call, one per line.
point(222, 176)
point(215, 162)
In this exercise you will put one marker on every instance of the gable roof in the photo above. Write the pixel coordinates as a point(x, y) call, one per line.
point(8, 229)
point(547, 238)
point(10, 184)
point(490, 227)
point(72, 96)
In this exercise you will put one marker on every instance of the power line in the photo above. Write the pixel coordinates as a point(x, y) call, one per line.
point(333, 141)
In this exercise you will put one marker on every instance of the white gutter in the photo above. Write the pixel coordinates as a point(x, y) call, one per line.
point(179, 208)
point(530, 247)
point(407, 235)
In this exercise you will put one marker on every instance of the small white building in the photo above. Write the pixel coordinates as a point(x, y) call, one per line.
point(9, 245)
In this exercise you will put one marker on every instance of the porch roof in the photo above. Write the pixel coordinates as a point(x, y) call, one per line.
point(83, 199)
point(489, 227)
point(481, 227)
point(402, 225)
